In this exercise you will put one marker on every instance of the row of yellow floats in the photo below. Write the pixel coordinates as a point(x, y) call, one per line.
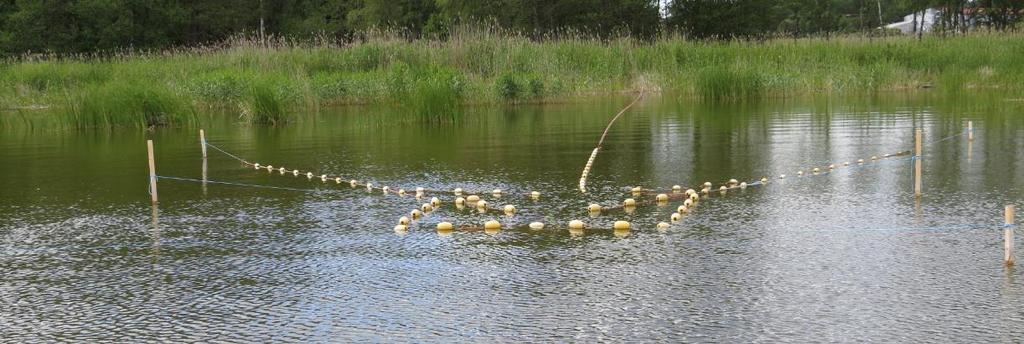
point(419, 191)
point(732, 183)
point(491, 226)
point(691, 196)
point(690, 200)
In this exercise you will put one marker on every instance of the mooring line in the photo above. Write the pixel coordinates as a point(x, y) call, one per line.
point(600, 143)
point(243, 184)
point(207, 143)
point(964, 132)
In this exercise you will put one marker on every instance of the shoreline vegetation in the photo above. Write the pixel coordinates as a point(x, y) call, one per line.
point(268, 81)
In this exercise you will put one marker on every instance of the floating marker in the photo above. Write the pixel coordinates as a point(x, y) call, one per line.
point(369, 187)
point(415, 214)
point(873, 157)
point(535, 195)
point(723, 188)
point(482, 205)
point(816, 170)
point(707, 185)
point(444, 226)
point(676, 188)
point(637, 189)
point(764, 180)
point(536, 225)
point(472, 198)
point(309, 175)
point(629, 202)
point(492, 224)
point(860, 161)
point(323, 178)
point(743, 185)
point(662, 198)
point(403, 220)
point(401, 228)
point(799, 173)
point(676, 217)
point(682, 209)
point(458, 191)
point(782, 176)
point(691, 192)
point(688, 203)
point(663, 225)
point(257, 165)
point(510, 209)
point(337, 180)
point(352, 183)
point(846, 163)
point(831, 166)
point(694, 197)
point(496, 192)
point(384, 190)
point(594, 208)
point(460, 201)
point(401, 192)
point(270, 168)
point(576, 224)
point(426, 207)
point(733, 182)
point(435, 201)
point(621, 225)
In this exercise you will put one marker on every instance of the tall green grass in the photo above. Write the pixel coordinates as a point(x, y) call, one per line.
point(432, 80)
point(126, 104)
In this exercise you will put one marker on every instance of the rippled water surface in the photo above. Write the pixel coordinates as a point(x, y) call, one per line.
point(842, 256)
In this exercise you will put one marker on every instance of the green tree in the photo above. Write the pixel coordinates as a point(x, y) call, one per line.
point(709, 19)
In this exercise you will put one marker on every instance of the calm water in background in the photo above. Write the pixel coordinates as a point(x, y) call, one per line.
point(846, 256)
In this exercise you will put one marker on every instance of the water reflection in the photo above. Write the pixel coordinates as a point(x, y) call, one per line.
point(240, 263)
point(154, 233)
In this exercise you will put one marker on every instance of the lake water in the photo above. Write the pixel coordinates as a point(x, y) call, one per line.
point(844, 256)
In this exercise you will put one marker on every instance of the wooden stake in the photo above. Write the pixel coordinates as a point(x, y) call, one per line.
point(917, 163)
point(970, 130)
point(204, 176)
point(202, 142)
point(1008, 236)
point(152, 170)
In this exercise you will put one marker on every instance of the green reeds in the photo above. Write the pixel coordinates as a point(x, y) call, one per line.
point(723, 83)
point(431, 79)
point(264, 104)
point(126, 105)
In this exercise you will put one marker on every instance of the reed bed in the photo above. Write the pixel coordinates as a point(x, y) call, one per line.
point(268, 82)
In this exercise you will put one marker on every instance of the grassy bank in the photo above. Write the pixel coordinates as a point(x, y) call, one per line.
point(433, 78)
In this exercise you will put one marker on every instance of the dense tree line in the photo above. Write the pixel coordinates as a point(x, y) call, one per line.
point(71, 26)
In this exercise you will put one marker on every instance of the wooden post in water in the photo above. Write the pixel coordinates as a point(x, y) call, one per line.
point(204, 177)
point(202, 142)
point(917, 163)
point(970, 130)
point(152, 170)
point(1008, 258)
